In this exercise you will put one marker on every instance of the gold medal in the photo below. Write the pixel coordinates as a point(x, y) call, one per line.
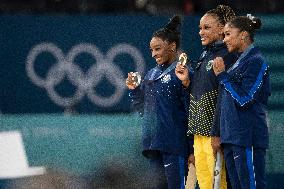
point(182, 59)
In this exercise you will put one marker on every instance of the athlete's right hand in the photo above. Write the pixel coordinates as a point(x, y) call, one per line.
point(130, 83)
point(191, 159)
point(182, 73)
point(216, 145)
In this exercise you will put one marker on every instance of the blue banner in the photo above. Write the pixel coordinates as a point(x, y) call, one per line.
point(76, 63)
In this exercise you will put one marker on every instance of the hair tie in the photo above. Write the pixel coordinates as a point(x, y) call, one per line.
point(251, 18)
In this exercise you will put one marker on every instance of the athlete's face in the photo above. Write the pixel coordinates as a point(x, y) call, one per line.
point(162, 51)
point(233, 38)
point(210, 29)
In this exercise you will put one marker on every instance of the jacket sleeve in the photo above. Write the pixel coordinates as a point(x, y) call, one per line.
point(137, 99)
point(229, 59)
point(215, 129)
point(186, 91)
point(190, 143)
point(251, 79)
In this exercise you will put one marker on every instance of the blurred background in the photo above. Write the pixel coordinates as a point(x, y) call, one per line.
point(63, 67)
point(153, 7)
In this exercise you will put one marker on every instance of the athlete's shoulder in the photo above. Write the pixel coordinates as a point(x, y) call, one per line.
point(256, 57)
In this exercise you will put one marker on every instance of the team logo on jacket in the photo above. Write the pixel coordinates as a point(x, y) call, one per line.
point(166, 78)
point(209, 65)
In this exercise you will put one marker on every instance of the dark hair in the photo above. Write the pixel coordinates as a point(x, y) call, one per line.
point(246, 23)
point(171, 32)
point(223, 13)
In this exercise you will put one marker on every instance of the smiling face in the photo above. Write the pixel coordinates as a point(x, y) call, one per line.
point(234, 39)
point(162, 51)
point(210, 29)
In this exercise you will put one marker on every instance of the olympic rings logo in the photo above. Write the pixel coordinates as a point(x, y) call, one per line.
point(85, 83)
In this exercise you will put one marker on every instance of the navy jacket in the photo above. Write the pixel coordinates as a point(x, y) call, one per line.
point(163, 102)
point(243, 99)
point(204, 89)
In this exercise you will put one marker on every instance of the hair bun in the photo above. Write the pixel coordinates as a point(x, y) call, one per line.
point(174, 24)
point(256, 22)
point(171, 31)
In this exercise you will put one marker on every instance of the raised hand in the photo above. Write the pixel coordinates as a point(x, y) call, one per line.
point(182, 73)
point(132, 80)
point(218, 65)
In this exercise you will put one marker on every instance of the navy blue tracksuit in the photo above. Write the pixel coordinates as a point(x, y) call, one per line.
point(163, 102)
point(242, 118)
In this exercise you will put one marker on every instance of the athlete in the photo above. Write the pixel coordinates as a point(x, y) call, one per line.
point(162, 100)
point(203, 94)
point(244, 94)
